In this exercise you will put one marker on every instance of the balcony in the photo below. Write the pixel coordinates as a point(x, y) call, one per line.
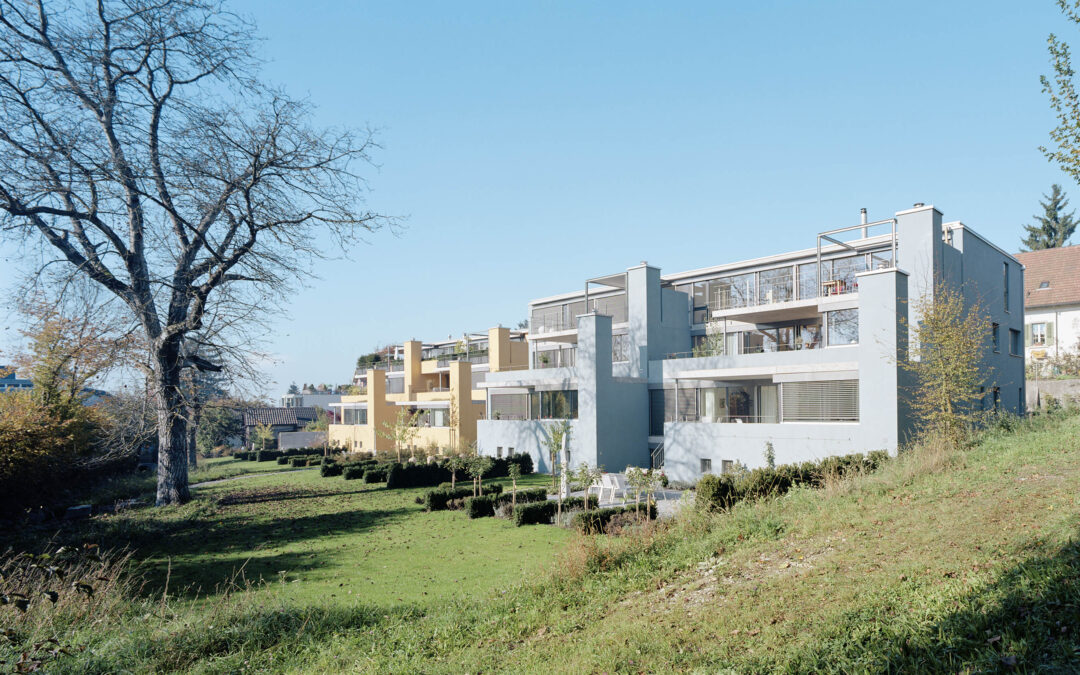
point(555, 358)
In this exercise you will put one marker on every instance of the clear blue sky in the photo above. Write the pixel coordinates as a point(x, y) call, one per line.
point(535, 144)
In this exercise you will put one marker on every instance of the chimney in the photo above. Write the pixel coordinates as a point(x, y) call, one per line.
point(919, 205)
point(862, 215)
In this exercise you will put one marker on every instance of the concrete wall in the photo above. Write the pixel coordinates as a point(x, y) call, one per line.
point(527, 436)
point(288, 440)
point(686, 443)
point(1059, 389)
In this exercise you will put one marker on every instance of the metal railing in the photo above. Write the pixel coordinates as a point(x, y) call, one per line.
point(555, 358)
point(656, 457)
point(730, 419)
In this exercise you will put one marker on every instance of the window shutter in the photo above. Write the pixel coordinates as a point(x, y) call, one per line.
point(1049, 333)
point(1027, 335)
point(823, 401)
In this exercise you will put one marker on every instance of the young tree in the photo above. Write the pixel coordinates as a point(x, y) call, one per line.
point(263, 434)
point(321, 421)
point(947, 346)
point(514, 472)
point(477, 466)
point(455, 463)
point(402, 431)
point(554, 442)
point(141, 149)
point(586, 476)
point(1054, 227)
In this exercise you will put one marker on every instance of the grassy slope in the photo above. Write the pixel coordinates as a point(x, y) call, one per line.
point(962, 566)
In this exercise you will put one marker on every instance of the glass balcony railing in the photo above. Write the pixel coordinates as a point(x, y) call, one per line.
point(555, 358)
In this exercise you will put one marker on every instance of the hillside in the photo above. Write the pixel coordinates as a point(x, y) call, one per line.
point(965, 563)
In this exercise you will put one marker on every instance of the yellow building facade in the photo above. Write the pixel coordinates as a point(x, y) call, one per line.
point(436, 382)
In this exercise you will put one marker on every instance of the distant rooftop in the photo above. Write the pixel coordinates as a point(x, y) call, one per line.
point(1051, 277)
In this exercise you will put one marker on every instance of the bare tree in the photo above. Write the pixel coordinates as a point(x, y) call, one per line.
point(140, 148)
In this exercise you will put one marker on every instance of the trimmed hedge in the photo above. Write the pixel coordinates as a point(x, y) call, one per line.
point(331, 468)
point(439, 499)
point(375, 473)
point(596, 520)
point(481, 507)
point(353, 472)
point(542, 513)
point(266, 455)
point(721, 492)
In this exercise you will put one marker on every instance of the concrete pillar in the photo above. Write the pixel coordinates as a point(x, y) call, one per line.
point(499, 356)
point(414, 381)
point(919, 251)
point(461, 397)
point(883, 383)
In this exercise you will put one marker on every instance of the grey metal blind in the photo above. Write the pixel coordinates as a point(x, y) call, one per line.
point(510, 406)
point(825, 401)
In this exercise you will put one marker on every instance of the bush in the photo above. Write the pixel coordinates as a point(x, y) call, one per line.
point(374, 473)
point(284, 461)
point(596, 521)
point(328, 469)
point(481, 507)
point(534, 513)
point(267, 455)
point(441, 499)
point(721, 492)
point(353, 473)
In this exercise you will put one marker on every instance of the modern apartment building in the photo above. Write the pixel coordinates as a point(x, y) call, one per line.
point(697, 370)
point(439, 380)
point(1051, 302)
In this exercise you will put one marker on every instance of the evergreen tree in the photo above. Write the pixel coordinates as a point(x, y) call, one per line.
point(293, 389)
point(1054, 227)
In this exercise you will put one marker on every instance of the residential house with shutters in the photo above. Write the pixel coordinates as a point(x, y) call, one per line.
point(695, 371)
point(1051, 302)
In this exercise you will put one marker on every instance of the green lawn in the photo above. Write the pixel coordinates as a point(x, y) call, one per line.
point(967, 563)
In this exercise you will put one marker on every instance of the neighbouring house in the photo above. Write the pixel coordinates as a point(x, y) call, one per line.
point(278, 419)
point(8, 381)
point(302, 400)
point(1051, 302)
point(695, 371)
point(438, 382)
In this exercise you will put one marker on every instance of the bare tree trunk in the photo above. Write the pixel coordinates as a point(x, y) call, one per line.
point(194, 414)
point(172, 482)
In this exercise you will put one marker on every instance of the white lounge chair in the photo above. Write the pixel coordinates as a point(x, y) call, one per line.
point(617, 485)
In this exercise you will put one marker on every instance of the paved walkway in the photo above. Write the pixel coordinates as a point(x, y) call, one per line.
point(250, 475)
point(668, 502)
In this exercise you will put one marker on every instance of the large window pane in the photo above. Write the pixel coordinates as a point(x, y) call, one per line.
point(775, 285)
point(808, 281)
point(558, 405)
point(809, 336)
point(740, 404)
point(760, 340)
point(843, 326)
point(733, 292)
point(701, 302)
point(712, 404)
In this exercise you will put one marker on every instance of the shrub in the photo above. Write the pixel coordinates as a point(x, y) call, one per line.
point(354, 472)
point(328, 469)
point(266, 455)
point(534, 513)
point(714, 492)
point(441, 499)
point(297, 461)
point(597, 520)
point(374, 473)
point(481, 507)
point(284, 461)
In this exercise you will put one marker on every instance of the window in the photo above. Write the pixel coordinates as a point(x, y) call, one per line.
point(1044, 285)
point(1005, 283)
point(727, 466)
point(995, 333)
point(554, 405)
point(1014, 342)
point(354, 416)
point(733, 292)
point(706, 465)
point(843, 327)
point(658, 411)
point(775, 285)
point(760, 340)
point(498, 451)
point(701, 302)
point(509, 406)
point(824, 401)
point(620, 348)
point(880, 260)
point(509, 451)
point(1038, 334)
point(808, 281)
